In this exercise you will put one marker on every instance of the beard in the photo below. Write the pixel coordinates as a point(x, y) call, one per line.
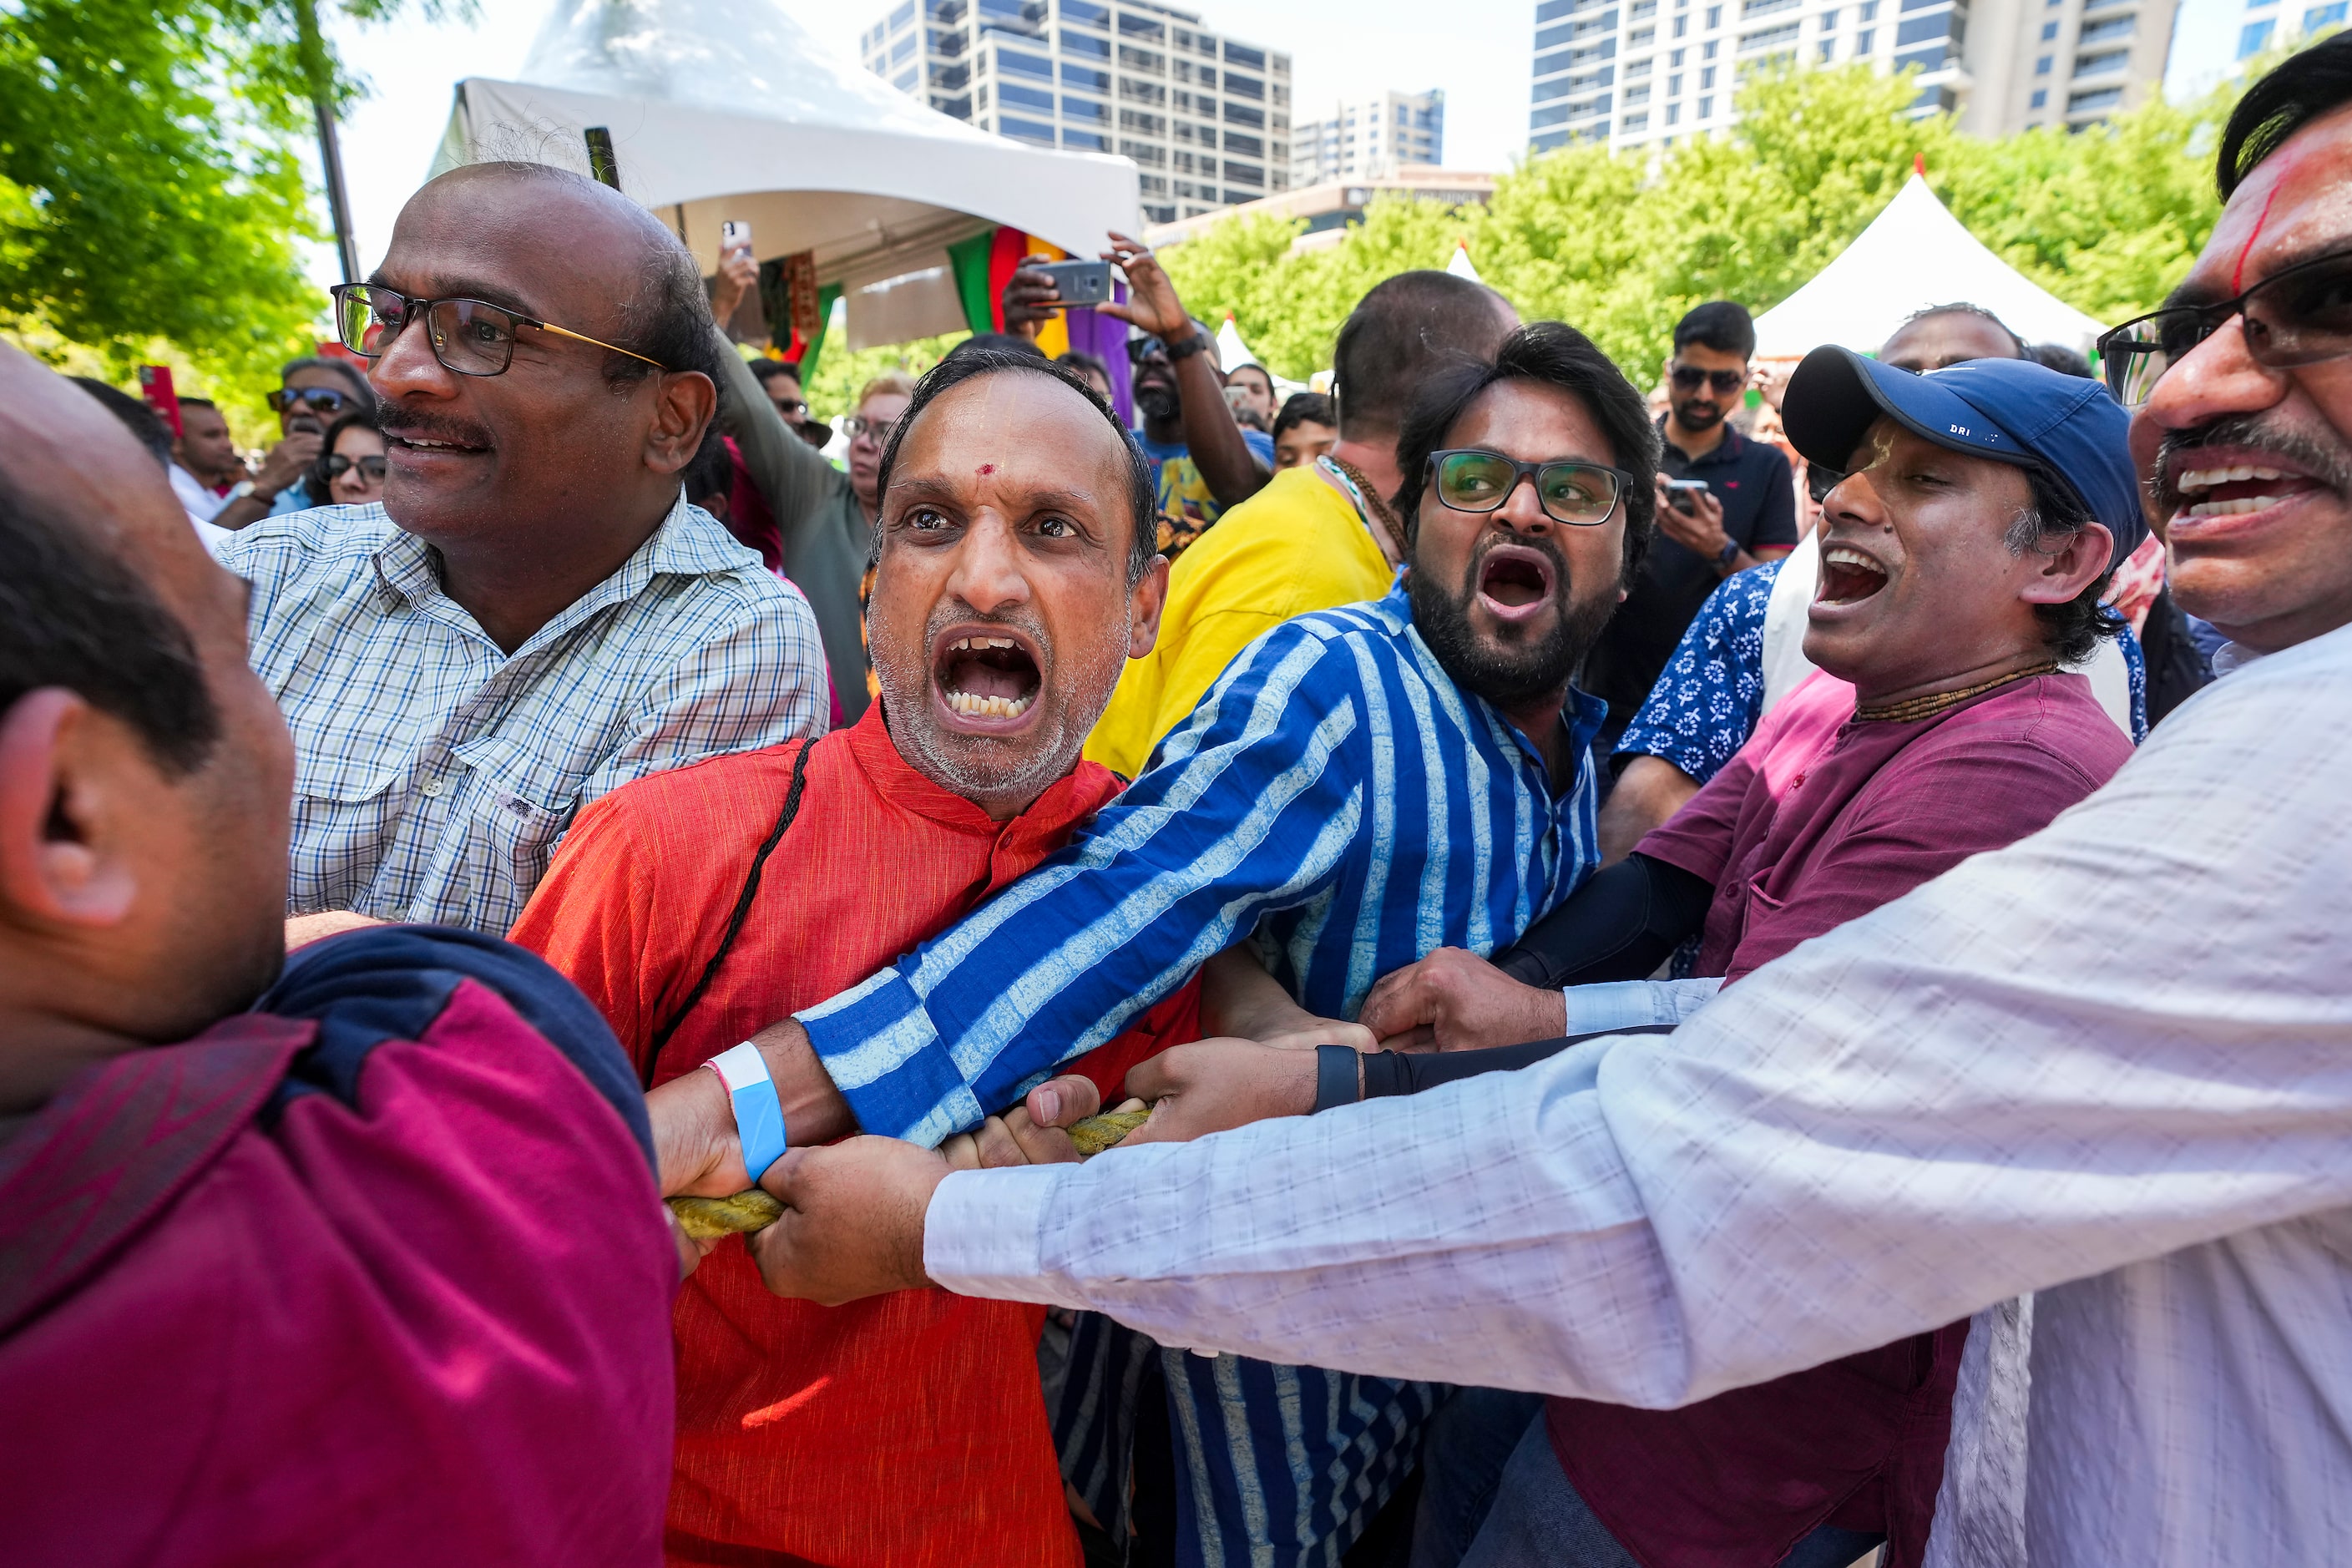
point(1512, 666)
point(1699, 415)
point(1158, 401)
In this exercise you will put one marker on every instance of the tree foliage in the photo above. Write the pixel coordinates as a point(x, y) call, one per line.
point(148, 188)
point(1622, 246)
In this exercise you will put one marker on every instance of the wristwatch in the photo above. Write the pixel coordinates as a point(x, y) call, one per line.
point(1188, 348)
point(1727, 554)
point(244, 488)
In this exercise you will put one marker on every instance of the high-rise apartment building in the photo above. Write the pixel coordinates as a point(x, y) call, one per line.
point(2268, 21)
point(1641, 73)
point(1206, 118)
point(1370, 138)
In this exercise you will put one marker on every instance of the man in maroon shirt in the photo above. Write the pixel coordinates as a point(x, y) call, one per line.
point(293, 1260)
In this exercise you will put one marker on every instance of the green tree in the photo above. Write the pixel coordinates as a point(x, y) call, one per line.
point(147, 189)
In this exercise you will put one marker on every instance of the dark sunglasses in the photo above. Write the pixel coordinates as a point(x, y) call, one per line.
point(371, 469)
point(2298, 315)
point(470, 337)
point(1582, 495)
point(1142, 349)
point(323, 400)
point(1688, 378)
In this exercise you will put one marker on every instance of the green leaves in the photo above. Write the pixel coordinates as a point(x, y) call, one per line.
point(147, 186)
point(1622, 246)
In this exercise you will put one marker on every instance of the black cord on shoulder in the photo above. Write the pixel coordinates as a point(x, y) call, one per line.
point(742, 912)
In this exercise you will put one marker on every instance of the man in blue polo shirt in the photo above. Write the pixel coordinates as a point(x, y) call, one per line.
point(1745, 515)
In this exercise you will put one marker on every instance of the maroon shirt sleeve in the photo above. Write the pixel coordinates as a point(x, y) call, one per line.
point(1699, 838)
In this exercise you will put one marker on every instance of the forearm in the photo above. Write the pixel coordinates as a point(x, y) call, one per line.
point(789, 473)
point(1239, 998)
point(1213, 437)
point(1620, 925)
point(695, 1139)
point(244, 511)
point(1649, 791)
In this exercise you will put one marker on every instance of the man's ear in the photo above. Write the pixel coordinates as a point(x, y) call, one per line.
point(60, 789)
point(1149, 597)
point(684, 405)
point(2063, 569)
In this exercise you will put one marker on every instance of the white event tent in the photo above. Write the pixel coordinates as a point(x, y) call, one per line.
point(1914, 254)
point(729, 110)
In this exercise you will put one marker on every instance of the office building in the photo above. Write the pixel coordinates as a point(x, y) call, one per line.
point(1369, 137)
point(1206, 118)
point(1328, 206)
point(1637, 74)
point(2268, 21)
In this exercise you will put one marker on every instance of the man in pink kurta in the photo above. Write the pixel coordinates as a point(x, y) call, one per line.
point(355, 1257)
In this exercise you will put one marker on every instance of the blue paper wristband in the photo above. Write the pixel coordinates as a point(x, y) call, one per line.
point(759, 1110)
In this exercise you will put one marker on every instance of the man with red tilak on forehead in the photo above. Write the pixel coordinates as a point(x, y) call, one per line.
point(1015, 575)
point(2010, 1080)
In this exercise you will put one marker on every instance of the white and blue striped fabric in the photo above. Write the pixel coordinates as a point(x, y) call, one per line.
point(1338, 795)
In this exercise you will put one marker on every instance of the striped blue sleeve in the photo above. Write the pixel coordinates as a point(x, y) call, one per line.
point(1254, 807)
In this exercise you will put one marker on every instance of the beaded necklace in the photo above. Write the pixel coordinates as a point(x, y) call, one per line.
point(1927, 707)
point(1377, 519)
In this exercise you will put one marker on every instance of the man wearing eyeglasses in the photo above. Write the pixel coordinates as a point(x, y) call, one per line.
point(1361, 785)
point(312, 395)
point(2012, 1079)
point(532, 615)
point(1726, 504)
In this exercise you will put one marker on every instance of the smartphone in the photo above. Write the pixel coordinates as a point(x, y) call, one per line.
point(734, 236)
point(1684, 495)
point(1080, 282)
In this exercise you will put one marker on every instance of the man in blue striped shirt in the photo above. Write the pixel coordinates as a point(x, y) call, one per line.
point(1361, 787)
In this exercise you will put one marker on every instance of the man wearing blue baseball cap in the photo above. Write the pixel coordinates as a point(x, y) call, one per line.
point(1965, 555)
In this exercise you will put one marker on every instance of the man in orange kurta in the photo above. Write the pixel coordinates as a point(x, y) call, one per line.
point(698, 906)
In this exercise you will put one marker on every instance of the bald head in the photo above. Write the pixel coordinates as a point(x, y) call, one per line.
point(538, 481)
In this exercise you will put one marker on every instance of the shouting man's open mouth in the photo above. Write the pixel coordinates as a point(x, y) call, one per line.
point(987, 678)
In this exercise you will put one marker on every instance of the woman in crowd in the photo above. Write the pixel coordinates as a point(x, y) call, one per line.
point(349, 470)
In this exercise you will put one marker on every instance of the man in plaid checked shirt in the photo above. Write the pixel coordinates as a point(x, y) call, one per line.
point(533, 616)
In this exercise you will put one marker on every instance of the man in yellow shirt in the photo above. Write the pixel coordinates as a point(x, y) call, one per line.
point(1318, 535)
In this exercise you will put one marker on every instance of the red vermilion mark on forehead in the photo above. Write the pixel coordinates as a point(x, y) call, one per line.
point(2238, 272)
point(988, 467)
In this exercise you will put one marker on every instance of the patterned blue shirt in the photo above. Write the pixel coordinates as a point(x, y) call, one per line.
point(1710, 697)
point(1335, 791)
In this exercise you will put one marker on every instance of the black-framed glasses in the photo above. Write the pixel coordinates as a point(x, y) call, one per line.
point(1689, 378)
point(470, 337)
point(2300, 315)
point(1582, 495)
point(371, 469)
point(323, 400)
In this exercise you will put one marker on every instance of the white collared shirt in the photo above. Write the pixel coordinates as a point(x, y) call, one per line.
point(2111, 1065)
point(434, 774)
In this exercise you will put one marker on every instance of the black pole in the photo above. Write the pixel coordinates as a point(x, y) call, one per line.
point(330, 155)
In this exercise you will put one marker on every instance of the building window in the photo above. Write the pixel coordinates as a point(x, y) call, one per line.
point(2042, 66)
point(1706, 50)
point(2256, 37)
point(901, 50)
point(1082, 76)
point(1714, 16)
point(1137, 27)
point(1829, 49)
point(2105, 98)
point(2049, 31)
point(2320, 16)
point(1632, 122)
point(1863, 40)
point(2040, 97)
point(1024, 65)
point(904, 16)
point(1084, 109)
point(1091, 16)
point(1084, 141)
point(905, 81)
point(1673, 87)
point(1677, 58)
point(1705, 107)
point(1706, 77)
point(2099, 65)
point(1025, 97)
point(1869, 11)
point(1026, 129)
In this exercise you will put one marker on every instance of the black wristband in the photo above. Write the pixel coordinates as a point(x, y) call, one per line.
point(1335, 1076)
point(1186, 349)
